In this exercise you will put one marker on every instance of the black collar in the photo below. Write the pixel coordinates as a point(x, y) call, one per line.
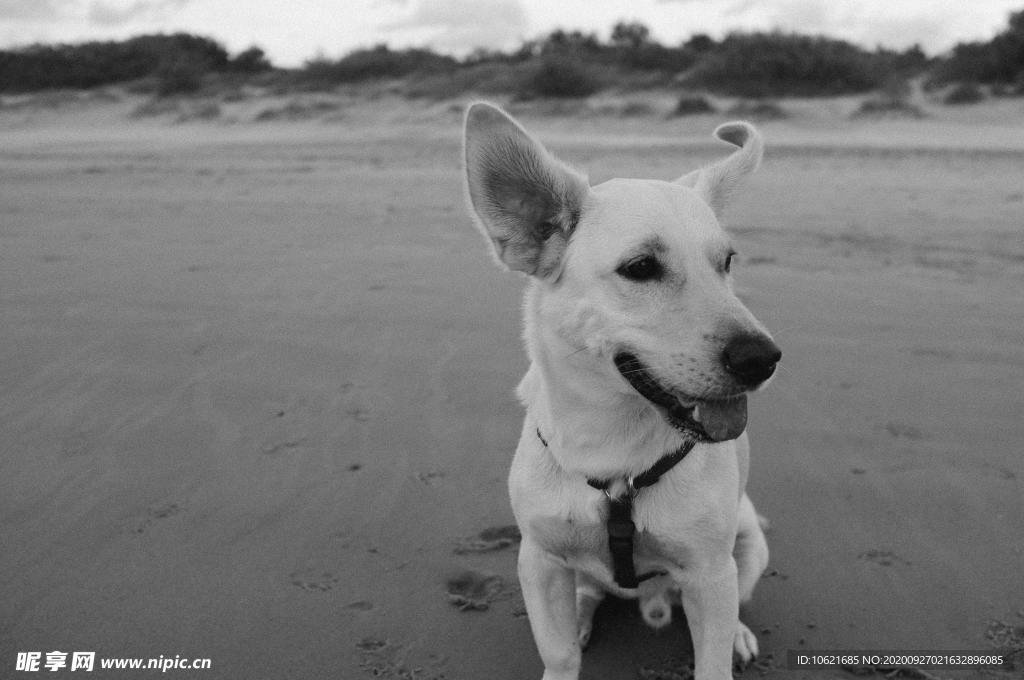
point(649, 476)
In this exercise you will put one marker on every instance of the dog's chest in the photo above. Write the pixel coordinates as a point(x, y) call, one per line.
point(579, 534)
point(687, 511)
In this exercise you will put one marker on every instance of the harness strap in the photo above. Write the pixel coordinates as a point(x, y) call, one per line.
point(621, 530)
point(620, 525)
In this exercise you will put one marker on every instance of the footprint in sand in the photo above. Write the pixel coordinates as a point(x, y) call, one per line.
point(312, 580)
point(354, 404)
point(1009, 638)
point(884, 558)
point(474, 591)
point(674, 668)
point(359, 413)
point(76, 444)
point(430, 478)
point(156, 513)
point(285, 429)
point(489, 540)
point(284, 447)
point(903, 431)
point(383, 658)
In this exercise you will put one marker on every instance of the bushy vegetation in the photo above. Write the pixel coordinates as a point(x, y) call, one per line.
point(93, 64)
point(882, 106)
point(758, 109)
point(560, 77)
point(783, 64)
point(893, 100)
point(999, 61)
point(560, 65)
point(964, 93)
point(693, 105)
point(376, 63)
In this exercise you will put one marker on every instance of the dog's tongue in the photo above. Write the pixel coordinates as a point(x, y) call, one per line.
point(724, 419)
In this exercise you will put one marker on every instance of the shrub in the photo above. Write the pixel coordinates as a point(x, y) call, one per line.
point(882, 106)
point(896, 88)
point(298, 109)
point(636, 110)
point(964, 93)
point(700, 43)
point(93, 64)
point(560, 43)
point(560, 77)
point(655, 57)
point(565, 108)
point(758, 109)
point(377, 63)
point(893, 99)
point(690, 105)
point(781, 64)
point(252, 60)
point(974, 61)
point(1001, 60)
point(182, 75)
point(487, 78)
point(634, 49)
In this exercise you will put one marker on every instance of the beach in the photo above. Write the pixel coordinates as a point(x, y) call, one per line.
point(258, 377)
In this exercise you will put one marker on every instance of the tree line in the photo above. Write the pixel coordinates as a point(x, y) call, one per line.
point(559, 64)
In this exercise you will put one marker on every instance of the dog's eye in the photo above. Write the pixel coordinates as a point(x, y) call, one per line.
point(646, 268)
point(727, 266)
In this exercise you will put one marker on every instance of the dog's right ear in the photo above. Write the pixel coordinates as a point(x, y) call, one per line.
point(526, 201)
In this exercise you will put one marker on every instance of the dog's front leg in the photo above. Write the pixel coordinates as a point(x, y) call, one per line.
point(549, 591)
point(711, 602)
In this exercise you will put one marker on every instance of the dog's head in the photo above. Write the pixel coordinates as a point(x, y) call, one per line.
point(634, 275)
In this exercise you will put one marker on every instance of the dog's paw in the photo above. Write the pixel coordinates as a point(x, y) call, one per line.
point(584, 631)
point(585, 608)
point(744, 646)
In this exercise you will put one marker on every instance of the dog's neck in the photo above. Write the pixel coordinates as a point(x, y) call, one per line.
point(594, 423)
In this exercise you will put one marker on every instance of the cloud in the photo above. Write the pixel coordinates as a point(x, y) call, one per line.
point(727, 6)
point(108, 13)
point(29, 10)
point(935, 26)
point(460, 25)
point(868, 22)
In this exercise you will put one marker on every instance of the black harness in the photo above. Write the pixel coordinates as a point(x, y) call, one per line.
point(621, 529)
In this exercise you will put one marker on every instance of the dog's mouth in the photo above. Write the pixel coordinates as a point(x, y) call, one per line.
point(714, 420)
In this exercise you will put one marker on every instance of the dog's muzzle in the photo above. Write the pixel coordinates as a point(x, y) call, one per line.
point(711, 420)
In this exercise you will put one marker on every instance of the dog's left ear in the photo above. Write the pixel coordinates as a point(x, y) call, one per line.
point(717, 182)
point(526, 201)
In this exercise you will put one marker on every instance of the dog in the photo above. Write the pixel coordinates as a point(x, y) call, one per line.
point(641, 357)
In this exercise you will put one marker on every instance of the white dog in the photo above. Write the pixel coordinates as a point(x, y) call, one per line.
point(630, 472)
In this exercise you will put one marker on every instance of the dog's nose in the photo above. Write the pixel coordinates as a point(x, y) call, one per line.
point(751, 358)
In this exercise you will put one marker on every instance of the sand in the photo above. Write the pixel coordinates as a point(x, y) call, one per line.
point(257, 389)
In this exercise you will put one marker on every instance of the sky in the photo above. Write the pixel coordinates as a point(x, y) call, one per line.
point(293, 31)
